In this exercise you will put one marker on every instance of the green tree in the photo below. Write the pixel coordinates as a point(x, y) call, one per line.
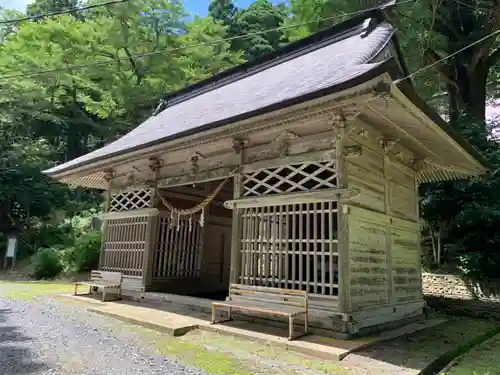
point(79, 109)
point(463, 214)
point(260, 16)
point(223, 11)
point(70, 84)
point(49, 6)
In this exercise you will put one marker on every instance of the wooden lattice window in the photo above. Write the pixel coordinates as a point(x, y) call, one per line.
point(178, 251)
point(291, 246)
point(290, 178)
point(124, 244)
point(130, 200)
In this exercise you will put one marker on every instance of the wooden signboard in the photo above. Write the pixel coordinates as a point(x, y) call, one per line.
point(10, 254)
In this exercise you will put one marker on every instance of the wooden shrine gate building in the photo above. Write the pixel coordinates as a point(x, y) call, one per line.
point(297, 170)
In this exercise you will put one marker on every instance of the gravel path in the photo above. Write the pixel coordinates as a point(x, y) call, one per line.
point(44, 336)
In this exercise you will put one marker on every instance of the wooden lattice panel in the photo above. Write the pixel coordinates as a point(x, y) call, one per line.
point(291, 246)
point(124, 244)
point(178, 251)
point(130, 200)
point(290, 178)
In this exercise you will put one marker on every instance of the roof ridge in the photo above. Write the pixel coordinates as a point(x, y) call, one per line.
point(320, 39)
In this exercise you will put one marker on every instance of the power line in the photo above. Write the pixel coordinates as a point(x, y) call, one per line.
point(448, 56)
point(194, 45)
point(66, 11)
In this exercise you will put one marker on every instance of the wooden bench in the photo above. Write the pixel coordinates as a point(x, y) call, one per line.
point(103, 281)
point(274, 301)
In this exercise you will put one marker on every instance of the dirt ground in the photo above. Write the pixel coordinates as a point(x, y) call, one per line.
point(215, 353)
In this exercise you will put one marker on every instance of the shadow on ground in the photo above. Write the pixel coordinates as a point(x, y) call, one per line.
point(429, 350)
point(16, 356)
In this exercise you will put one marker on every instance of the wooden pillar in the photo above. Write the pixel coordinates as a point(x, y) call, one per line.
point(151, 240)
point(104, 235)
point(149, 248)
point(108, 176)
point(388, 236)
point(236, 224)
point(339, 127)
point(387, 144)
point(417, 166)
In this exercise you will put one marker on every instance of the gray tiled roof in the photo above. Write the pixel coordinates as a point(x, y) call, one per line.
point(330, 64)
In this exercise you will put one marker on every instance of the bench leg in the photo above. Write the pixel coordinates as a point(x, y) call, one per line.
point(103, 294)
point(214, 310)
point(290, 327)
point(76, 290)
point(214, 313)
point(306, 322)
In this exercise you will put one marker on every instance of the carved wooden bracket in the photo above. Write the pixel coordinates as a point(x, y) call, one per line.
point(155, 163)
point(340, 120)
point(282, 142)
point(418, 164)
point(109, 174)
point(387, 144)
point(195, 167)
point(362, 133)
point(353, 150)
point(238, 145)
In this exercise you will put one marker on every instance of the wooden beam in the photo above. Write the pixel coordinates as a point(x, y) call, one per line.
point(272, 122)
point(323, 155)
point(128, 214)
point(293, 198)
point(192, 198)
point(415, 141)
point(201, 177)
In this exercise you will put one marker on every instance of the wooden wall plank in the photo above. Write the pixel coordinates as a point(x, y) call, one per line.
point(368, 271)
point(407, 283)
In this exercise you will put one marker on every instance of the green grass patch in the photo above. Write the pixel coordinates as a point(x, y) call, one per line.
point(27, 290)
point(462, 335)
point(483, 359)
point(216, 353)
point(194, 354)
point(257, 350)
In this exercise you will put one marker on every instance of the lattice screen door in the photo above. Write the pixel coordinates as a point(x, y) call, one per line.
point(290, 245)
point(179, 248)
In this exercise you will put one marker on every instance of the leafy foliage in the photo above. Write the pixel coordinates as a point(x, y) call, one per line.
point(462, 215)
point(84, 255)
point(47, 264)
point(260, 16)
point(127, 56)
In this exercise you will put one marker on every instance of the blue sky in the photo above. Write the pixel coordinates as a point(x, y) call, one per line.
point(193, 6)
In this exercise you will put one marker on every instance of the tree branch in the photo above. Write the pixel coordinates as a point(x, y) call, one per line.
point(445, 72)
point(487, 45)
point(493, 58)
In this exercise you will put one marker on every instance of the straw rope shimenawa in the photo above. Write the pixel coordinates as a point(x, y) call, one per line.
point(176, 213)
